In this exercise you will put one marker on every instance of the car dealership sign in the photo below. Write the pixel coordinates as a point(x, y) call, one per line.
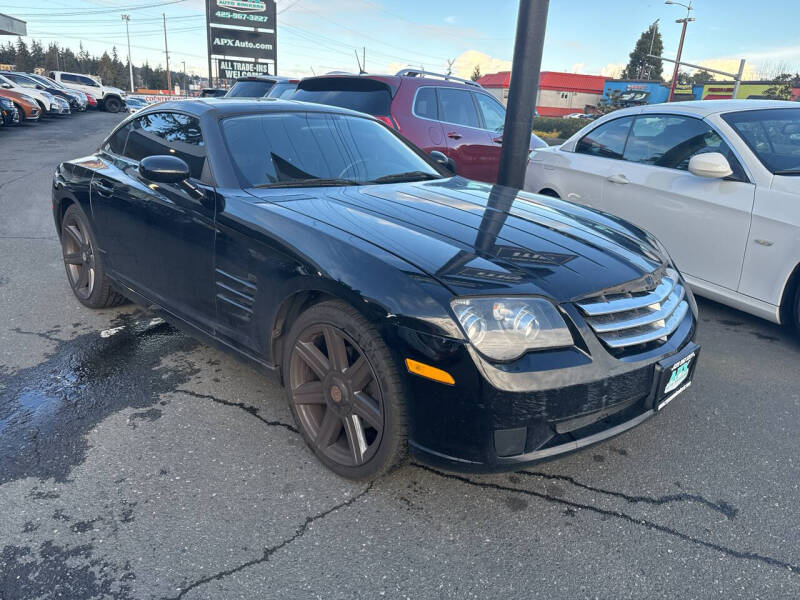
point(239, 30)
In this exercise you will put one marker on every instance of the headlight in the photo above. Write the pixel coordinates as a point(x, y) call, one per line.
point(506, 328)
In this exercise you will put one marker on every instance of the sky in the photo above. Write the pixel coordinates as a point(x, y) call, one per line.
point(583, 36)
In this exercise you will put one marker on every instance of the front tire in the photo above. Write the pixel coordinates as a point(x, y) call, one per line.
point(84, 264)
point(796, 311)
point(345, 391)
point(113, 105)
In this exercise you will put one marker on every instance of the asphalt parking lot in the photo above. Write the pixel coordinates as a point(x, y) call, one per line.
point(136, 462)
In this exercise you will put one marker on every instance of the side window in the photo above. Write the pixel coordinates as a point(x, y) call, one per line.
point(456, 106)
point(670, 141)
point(607, 140)
point(425, 105)
point(68, 77)
point(116, 143)
point(88, 81)
point(494, 115)
point(168, 133)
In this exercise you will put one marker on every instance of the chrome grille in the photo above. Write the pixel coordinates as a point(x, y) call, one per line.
point(635, 318)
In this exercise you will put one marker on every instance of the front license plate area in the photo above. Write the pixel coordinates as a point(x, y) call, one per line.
point(675, 375)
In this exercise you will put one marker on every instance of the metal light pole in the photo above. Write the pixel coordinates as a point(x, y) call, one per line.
point(166, 51)
point(654, 27)
point(127, 19)
point(685, 22)
point(531, 25)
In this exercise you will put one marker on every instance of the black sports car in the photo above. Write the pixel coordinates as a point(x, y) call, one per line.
point(403, 308)
point(9, 114)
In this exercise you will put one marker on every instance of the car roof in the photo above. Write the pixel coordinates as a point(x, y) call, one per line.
point(275, 78)
point(414, 76)
point(224, 107)
point(703, 108)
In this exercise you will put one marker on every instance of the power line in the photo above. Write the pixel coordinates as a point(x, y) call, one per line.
point(92, 11)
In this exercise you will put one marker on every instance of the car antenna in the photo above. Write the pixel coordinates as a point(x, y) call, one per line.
point(361, 70)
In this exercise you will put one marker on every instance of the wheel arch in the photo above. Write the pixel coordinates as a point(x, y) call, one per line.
point(548, 191)
point(789, 294)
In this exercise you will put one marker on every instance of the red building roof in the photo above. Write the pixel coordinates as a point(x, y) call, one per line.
point(551, 80)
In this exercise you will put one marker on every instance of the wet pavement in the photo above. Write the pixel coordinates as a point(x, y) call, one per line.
point(135, 462)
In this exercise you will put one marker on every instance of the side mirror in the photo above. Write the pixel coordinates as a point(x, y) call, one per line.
point(164, 169)
point(7, 86)
point(440, 159)
point(711, 165)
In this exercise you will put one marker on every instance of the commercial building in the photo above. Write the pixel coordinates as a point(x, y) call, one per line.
point(628, 92)
point(559, 93)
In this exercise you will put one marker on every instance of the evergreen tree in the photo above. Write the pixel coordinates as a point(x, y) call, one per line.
point(22, 60)
point(640, 66)
point(701, 76)
point(476, 73)
point(37, 54)
point(105, 69)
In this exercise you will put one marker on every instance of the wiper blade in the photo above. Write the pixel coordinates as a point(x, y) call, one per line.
point(788, 172)
point(409, 176)
point(308, 183)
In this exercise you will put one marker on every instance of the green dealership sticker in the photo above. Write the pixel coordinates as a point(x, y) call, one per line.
point(679, 375)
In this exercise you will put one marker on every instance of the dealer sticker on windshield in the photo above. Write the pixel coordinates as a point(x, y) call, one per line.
point(677, 380)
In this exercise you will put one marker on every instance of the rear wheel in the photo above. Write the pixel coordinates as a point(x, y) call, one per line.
point(345, 391)
point(796, 312)
point(84, 265)
point(113, 105)
point(22, 117)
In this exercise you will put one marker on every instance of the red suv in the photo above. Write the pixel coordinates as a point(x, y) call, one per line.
point(435, 112)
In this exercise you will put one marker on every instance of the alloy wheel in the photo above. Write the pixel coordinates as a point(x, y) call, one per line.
point(336, 395)
point(78, 257)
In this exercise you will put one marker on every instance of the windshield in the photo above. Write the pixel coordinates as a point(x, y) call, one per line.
point(22, 80)
point(307, 149)
point(773, 135)
point(250, 89)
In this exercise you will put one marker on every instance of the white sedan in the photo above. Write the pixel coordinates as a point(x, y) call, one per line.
point(717, 181)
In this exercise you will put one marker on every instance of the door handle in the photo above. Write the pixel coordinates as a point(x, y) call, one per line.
point(498, 140)
point(454, 135)
point(102, 189)
point(621, 179)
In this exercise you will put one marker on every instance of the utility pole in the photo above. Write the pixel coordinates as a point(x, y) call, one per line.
point(185, 84)
point(686, 20)
point(166, 51)
point(364, 57)
point(127, 19)
point(208, 43)
point(523, 88)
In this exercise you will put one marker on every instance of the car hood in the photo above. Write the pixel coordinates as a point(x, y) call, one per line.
point(479, 239)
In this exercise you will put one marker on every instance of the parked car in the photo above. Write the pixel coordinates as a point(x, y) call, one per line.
point(403, 308)
point(81, 96)
point(263, 86)
point(46, 100)
point(9, 113)
point(717, 181)
point(26, 105)
point(109, 98)
point(135, 104)
point(25, 81)
point(212, 93)
point(92, 100)
point(436, 112)
point(63, 106)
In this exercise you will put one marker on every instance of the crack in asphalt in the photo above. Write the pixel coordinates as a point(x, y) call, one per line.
point(721, 506)
point(268, 552)
point(767, 560)
point(252, 410)
point(46, 335)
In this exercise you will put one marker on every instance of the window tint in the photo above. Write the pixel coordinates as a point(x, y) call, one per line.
point(773, 135)
point(274, 149)
point(425, 104)
point(68, 77)
point(607, 140)
point(21, 80)
point(456, 106)
point(168, 133)
point(671, 141)
point(364, 95)
point(250, 89)
point(87, 81)
point(283, 90)
point(116, 143)
point(494, 115)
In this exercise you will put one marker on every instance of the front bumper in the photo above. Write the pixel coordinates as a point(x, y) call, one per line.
point(504, 417)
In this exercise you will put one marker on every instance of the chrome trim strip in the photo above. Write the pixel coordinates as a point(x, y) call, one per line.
point(621, 341)
point(659, 315)
point(658, 295)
